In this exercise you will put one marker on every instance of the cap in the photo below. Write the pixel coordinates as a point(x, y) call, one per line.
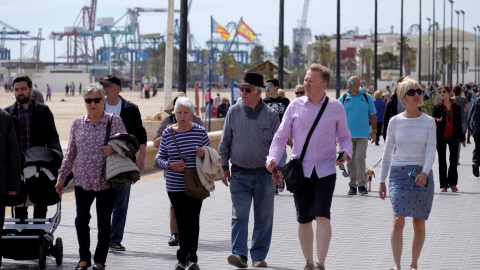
point(111, 79)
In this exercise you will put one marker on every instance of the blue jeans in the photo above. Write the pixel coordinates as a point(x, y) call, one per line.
point(119, 215)
point(243, 188)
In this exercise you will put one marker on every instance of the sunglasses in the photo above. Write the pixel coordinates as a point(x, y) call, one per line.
point(350, 83)
point(443, 92)
point(412, 92)
point(248, 90)
point(268, 86)
point(300, 93)
point(344, 171)
point(96, 100)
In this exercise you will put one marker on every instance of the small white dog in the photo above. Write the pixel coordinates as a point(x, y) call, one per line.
point(369, 175)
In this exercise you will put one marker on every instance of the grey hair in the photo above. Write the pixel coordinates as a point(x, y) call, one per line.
point(184, 101)
point(93, 88)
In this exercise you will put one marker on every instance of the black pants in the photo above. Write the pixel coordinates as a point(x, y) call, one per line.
point(3, 198)
point(187, 213)
point(450, 179)
point(379, 131)
point(104, 204)
point(476, 150)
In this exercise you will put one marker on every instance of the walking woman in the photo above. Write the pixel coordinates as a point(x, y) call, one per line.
point(190, 138)
point(448, 116)
point(380, 105)
point(409, 155)
point(86, 151)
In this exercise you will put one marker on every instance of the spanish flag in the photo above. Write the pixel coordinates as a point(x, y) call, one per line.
point(245, 31)
point(217, 28)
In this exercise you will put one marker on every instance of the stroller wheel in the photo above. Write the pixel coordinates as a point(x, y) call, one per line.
point(58, 251)
point(42, 256)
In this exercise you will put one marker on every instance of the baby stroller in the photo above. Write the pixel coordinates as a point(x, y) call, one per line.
point(28, 239)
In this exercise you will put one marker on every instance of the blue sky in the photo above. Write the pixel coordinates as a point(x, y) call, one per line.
point(260, 15)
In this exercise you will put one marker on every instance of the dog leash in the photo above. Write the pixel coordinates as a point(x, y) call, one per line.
point(377, 163)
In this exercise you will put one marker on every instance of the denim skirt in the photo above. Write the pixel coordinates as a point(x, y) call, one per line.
point(407, 199)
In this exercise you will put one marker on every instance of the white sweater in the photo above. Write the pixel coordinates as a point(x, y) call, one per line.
point(410, 141)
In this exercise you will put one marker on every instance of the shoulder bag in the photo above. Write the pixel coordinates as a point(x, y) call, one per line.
point(293, 171)
point(193, 185)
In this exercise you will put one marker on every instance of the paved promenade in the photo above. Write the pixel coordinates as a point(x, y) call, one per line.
point(361, 229)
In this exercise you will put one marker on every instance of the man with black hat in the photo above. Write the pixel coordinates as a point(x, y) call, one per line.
point(132, 120)
point(254, 125)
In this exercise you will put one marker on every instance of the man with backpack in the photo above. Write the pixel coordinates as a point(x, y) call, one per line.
point(360, 111)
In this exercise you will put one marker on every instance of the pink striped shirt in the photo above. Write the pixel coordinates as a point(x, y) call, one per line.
point(321, 151)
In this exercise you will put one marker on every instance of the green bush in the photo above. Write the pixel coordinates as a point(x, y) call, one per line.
point(428, 105)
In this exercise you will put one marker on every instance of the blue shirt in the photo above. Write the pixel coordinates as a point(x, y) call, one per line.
point(358, 111)
point(380, 106)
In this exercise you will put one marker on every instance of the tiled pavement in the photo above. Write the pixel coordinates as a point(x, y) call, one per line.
point(361, 229)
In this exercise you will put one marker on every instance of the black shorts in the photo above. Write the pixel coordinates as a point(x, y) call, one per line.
point(314, 199)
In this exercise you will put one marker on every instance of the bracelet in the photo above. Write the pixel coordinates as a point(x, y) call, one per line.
point(374, 130)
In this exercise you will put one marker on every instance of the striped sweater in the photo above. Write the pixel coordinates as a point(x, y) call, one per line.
point(187, 142)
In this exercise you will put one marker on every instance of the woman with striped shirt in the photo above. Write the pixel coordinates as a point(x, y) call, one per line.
point(190, 138)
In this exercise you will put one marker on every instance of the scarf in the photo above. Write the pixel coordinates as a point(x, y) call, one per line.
point(254, 113)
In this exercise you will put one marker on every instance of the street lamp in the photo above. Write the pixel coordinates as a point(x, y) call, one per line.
point(420, 45)
point(458, 36)
point(428, 19)
point(475, 62)
point(476, 66)
point(401, 40)
point(450, 72)
point(463, 47)
point(443, 49)
point(434, 59)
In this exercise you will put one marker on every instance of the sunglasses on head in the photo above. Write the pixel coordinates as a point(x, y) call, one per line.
point(350, 83)
point(246, 89)
point(96, 100)
point(411, 92)
point(300, 93)
point(344, 171)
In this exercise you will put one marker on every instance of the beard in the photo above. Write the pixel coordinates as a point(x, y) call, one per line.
point(24, 100)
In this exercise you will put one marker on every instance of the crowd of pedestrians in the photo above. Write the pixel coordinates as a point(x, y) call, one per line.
point(252, 157)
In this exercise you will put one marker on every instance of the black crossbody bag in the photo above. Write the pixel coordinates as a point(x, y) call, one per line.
point(293, 171)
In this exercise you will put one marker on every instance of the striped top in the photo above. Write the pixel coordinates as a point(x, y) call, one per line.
point(187, 142)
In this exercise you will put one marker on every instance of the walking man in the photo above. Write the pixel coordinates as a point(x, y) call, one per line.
point(360, 111)
point(132, 120)
point(247, 134)
point(34, 126)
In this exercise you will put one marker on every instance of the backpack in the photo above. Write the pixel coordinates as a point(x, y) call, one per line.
point(345, 96)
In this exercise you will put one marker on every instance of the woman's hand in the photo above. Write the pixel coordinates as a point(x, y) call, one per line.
point(200, 152)
point(177, 166)
point(421, 179)
point(59, 186)
point(438, 119)
point(382, 190)
point(464, 144)
point(108, 150)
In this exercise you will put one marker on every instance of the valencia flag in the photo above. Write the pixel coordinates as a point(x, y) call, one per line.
point(217, 28)
point(245, 31)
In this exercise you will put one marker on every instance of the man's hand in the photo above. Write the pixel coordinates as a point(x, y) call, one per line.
point(59, 186)
point(343, 159)
point(108, 150)
point(12, 193)
point(373, 137)
point(140, 162)
point(277, 177)
point(271, 166)
point(226, 177)
point(382, 190)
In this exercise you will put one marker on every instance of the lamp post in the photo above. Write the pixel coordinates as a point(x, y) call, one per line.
point(443, 49)
point(450, 71)
point(401, 40)
point(463, 47)
point(338, 52)
point(434, 59)
point(477, 58)
point(375, 50)
point(475, 62)
point(458, 39)
point(429, 74)
point(420, 45)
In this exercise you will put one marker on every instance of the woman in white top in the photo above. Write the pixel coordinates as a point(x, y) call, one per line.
point(410, 145)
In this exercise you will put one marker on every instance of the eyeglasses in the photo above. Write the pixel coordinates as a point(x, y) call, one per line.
point(268, 86)
point(96, 100)
point(248, 90)
point(411, 92)
point(350, 83)
point(300, 93)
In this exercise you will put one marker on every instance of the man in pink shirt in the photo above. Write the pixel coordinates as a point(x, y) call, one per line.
point(314, 199)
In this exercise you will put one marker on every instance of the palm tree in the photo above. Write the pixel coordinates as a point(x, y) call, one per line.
point(286, 53)
point(350, 63)
point(410, 56)
point(449, 61)
point(388, 60)
point(257, 55)
point(299, 56)
point(225, 60)
point(366, 56)
point(322, 52)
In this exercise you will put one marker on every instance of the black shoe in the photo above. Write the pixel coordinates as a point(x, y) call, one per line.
point(239, 261)
point(99, 268)
point(173, 240)
point(193, 266)
point(475, 170)
point(116, 246)
point(276, 191)
point(83, 267)
point(352, 191)
point(376, 143)
point(362, 190)
point(180, 266)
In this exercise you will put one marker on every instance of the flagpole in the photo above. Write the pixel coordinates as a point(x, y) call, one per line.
point(234, 36)
point(210, 75)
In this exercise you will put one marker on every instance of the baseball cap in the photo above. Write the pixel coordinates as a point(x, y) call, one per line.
point(111, 79)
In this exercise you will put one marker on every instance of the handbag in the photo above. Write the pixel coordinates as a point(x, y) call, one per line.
point(293, 170)
point(193, 186)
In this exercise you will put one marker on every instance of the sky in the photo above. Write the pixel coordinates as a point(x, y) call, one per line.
point(260, 15)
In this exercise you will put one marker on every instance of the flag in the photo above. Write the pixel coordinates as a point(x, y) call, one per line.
point(245, 31)
point(217, 28)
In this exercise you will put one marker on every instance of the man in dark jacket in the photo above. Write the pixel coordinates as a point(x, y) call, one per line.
point(10, 168)
point(473, 123)
point(34, 126)
point(393, 108)
point(132, 120)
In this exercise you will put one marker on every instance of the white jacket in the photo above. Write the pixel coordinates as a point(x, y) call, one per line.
point(209, 168)
point(118, 163)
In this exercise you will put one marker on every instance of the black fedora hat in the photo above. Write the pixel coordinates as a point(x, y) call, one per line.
point(253, 79)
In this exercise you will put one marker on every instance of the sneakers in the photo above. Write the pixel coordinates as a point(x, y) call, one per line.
point(362, 190)
point(116, 246)
point(454, 188)
point(281, 186)
point(193, 266)
point(352, 191)
point(239, 261)
point(173, 241)
point(180, 266)
point(443, 189)
point(259, 263)
point(475, 170)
